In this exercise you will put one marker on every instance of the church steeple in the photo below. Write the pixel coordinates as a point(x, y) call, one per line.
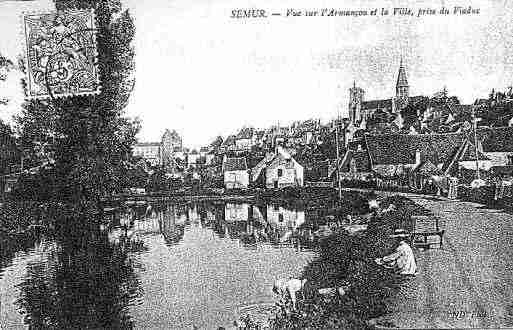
point(402, 88)
point(402, 81)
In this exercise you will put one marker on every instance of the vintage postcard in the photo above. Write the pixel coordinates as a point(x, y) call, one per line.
point(290, 164)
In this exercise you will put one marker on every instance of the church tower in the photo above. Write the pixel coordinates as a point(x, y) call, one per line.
point(402, 89)
point(355, 103)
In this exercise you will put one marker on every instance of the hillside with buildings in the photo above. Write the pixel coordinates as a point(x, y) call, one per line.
point(402, 140)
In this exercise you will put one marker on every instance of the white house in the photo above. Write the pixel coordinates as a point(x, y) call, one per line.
point(150, 151)
point(192, 158)
point(278, 170)
point(280, 217)
point(235, 172)
point(209, 158)
point(245, 138)
point(234, 212)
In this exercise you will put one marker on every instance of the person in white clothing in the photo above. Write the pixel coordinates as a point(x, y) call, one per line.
point(288, 288)
point(402, 259)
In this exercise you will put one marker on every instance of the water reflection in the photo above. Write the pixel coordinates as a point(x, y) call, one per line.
point(83, 281)
point(251, 224)
point(196, 261)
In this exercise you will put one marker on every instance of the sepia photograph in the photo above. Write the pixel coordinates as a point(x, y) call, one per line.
point(244, 165)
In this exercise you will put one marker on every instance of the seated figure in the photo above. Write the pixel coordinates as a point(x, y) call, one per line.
point(402, 259)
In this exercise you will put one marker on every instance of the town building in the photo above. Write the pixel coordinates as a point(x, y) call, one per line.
point(278, 170)
point(228, 144)
point(149, 151)
point(235, 172)
point(192, 158)
point(245, 139)
point(161, 153)
point(395, 156)
point(365, 114)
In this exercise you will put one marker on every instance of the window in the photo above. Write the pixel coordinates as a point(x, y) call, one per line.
point(280, 172)
point(280, 217)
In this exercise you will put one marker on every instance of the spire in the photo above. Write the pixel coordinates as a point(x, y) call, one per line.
point(401, 77)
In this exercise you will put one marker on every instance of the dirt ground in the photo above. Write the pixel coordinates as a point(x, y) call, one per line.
point(468, 283)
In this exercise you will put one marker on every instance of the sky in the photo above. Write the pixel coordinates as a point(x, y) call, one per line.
point(204, 74)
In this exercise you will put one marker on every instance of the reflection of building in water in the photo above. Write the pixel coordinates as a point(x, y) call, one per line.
point(181, 213)
point(279, 216)
point(210, 215)
point(171, 225)
point(193, 214)
point(236, 212)
point(147, 226)
point(259, 214)
point(236, 216)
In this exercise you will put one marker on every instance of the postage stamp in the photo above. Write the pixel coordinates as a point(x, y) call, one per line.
point(61, 53)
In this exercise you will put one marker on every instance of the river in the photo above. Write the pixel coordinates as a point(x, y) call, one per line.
point(171, 266)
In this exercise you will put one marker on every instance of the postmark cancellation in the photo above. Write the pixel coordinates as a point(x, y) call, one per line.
point(61, 54)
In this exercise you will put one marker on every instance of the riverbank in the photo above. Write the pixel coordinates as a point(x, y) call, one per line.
point(467, 283)
point(350, 258)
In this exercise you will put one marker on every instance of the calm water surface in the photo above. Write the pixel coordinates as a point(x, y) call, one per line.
point(171, 266)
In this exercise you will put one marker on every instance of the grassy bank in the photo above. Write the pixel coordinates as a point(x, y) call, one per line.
point(351, 258)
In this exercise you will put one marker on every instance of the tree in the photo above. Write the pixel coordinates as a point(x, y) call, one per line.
point(87, 138)
point(413, 111)
point(6, 66)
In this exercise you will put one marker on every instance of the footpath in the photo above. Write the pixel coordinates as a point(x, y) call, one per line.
point(468, 283)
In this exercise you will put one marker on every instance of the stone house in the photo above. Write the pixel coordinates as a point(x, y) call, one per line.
point(278, 170)
point(235, 172)
point(245, 139)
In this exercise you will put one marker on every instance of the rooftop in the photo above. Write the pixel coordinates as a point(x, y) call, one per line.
point(235, 164)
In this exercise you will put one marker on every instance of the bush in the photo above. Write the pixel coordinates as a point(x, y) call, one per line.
point(351, 258)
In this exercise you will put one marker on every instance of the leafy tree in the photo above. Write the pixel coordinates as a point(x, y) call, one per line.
point(87, 138)
point(413, 111)
point(6, 65)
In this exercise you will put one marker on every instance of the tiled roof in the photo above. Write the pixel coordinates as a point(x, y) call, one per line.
point(460, 108)
point(394, 149)
point(427, 168)
point(375, 104)
point(245, 133)
point(470, 154)
point(230, 140)
point(255, 172)
point(498, 139)
point(361, 160)
point(235, 164)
